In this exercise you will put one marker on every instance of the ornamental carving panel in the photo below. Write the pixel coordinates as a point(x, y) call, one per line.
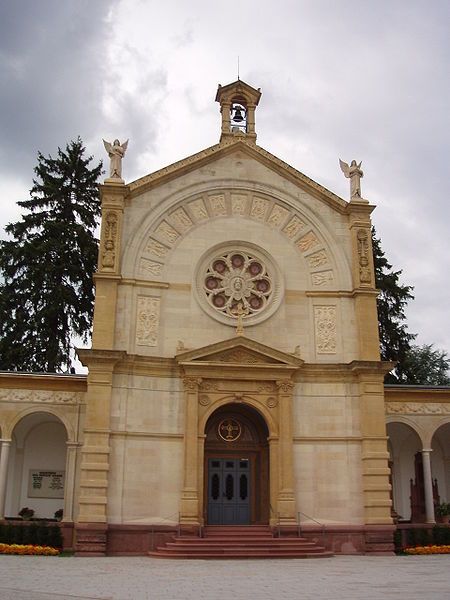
point(59, 397)
point(277, 216)
point(325, 329)
point(108, 252)
point(197, 208)
point(365, 275)
point(156, 248)
point(150, 267)
point(218, 206)
point(180, 220)
point(417, 408)
point(293, 227)
point(147, 321)
point(307, 242)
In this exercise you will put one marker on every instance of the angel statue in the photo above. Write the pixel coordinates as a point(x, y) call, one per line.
point(115, 152)
point(354, 173)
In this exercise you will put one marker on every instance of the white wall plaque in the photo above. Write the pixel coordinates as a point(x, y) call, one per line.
point(46, 484)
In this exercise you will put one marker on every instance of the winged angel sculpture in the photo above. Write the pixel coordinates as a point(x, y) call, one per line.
point(116, 152)
point(354, 173)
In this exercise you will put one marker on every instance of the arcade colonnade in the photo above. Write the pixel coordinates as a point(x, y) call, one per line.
point(41, 431)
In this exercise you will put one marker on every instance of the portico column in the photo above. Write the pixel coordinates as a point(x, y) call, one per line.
point(6, 444)
point(286, 497)
point(71, 458)
point(428, 485)
point(189, 506)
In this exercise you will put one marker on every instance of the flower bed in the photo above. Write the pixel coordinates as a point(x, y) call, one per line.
point(428, 550)
point(28, 550)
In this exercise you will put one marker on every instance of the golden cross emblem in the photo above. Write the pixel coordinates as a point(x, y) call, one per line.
point(229, 430)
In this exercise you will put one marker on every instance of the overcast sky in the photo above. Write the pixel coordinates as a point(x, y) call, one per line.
point(365, 80)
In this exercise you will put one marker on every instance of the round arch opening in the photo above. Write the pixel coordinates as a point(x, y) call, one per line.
point(236, 467)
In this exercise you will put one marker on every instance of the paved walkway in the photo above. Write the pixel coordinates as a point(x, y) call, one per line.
point(342, 577)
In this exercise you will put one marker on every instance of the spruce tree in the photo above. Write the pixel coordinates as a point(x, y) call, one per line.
point(395, 340)
point(46, 265)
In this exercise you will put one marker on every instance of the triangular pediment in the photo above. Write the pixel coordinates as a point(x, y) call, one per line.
point(239, 351)
point(230, 146)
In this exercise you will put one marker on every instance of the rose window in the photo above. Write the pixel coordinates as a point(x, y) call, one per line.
point(238, 283)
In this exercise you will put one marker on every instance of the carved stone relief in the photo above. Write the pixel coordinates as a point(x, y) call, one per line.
point(198, 209)
point(259, 208)
point(321, 278)
point(277, 216)
point(317, 259)
point(238, 204)
point(417, 408)
point(154, 247)
point(150, 267)
point(147, 321)
point(181, 220)
point(307, 242)
point(325, 329)
point(167, 232)
point(108, 254)
point(59, 397)
point(293, 227)
point(218, 205)
point(365, 275)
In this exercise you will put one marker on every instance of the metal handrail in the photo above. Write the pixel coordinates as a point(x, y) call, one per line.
point(310, 519)
point(277, 514)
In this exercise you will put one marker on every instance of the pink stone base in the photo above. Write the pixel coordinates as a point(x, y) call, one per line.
point(91, 539)
point(137, 540)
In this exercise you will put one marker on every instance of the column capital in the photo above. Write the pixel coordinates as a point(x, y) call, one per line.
point(5, 442)
point(426, 450)
point(73, 444)
point(191, 384)
point(285, 386)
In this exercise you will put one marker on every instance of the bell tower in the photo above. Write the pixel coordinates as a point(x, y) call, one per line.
point(238, 102)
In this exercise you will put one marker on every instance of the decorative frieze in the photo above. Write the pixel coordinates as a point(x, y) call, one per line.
point(325, 329)
point(147, 321)
point(43, 396)
point(277, 214)
point(285, 386)
point(417, 408)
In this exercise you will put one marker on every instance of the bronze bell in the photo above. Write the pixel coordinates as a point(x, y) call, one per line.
point(237, 117)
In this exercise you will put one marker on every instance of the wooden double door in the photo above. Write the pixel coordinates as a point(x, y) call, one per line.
point(229, 491)
point(236, 480)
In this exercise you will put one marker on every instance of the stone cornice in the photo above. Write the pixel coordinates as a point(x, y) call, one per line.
point(226, 146)
point(43, 381)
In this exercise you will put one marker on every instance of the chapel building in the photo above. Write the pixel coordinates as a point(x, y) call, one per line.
point(234, 376)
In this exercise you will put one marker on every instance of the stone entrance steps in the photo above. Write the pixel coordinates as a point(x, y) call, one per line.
point(253, 541)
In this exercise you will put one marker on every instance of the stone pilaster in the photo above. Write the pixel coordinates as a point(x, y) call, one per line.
point(286, 496)
point(364, 290)
point(189, 506)
point(108, 273)
point(69, 491)
point(93, 495)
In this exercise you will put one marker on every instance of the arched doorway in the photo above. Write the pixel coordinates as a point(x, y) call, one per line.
point(236, 467)
point(37, 465)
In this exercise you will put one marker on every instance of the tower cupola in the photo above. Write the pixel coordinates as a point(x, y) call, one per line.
point(238, 102)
